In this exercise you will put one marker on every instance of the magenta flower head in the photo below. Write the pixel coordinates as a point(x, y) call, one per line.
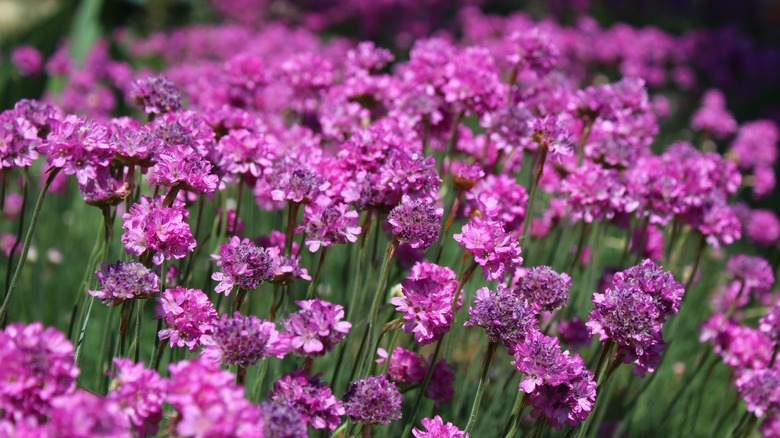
point(574, 333)
point(494, 249)
point(763, 227)
point(78, 147)
point(406, 367)
point(532, 50)
point(27, 60)
point(739, 346)
point(316, 328)
point(189, 315)
point(756, 144)
point(295, 182)
point(760, 388)
point(373, 400)
point(568, 403)
point(540, 359)
point(465, 176)
point(38, 366)
point(505, 317)
point(18, 140)
point(327, 223)
point(544, 288)
point(499, 198)
point(243, 340)
point(427, 301)
point(754, 274)
point(155, 95)
point(153, 229)
point(140, 392)
point(83, 414)
point(713, 116)
point(282, 421)
point(125, 281)
point(181, 166)
point(416, 222)
point(441, 388)
point(595, 193)
point(208, 403)
point(313, 400)
point(436, 428)
point(243, 264)
point(769, 324)
point(549, 133)
point(184, 128)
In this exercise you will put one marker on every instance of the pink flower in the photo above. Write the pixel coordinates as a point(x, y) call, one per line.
point(494, 249)
point(316, 328)
point(436, 428)
point(140, 392)
point(158, 230)
point(310, 397)
point(243, 340)
point(327, 222)
point(189, 315)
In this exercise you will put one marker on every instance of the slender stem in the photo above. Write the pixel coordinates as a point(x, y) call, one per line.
point(313, 283)
point(452, 141)
point(521, 401)
point(171, 196)
point(26, 247)
point(368, 355)
point(234, 225)
point(448, 224)
point(696, 262)
point(238, 300)
point(640, 248)
point(240, 375)
point(365, 431)
point(260, 380)
point(83, 331)
point(359, 263)
point(138, 330)
point(538, 170)
point(19, 231)
point(607, 352)
point(580, 246)
point(292, 218)
point(481, 386)
point(423, 388)
point(124, 324)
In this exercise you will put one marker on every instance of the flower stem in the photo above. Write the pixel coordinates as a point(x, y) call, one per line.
point(19, 231)
point(423, 388)
point(291, 220)
point(521, 401)
point(313, 283)
point(538, 170)
point(448, 223)
point(481, 386)
point(607, 352)
point(368, 355)
point(238, 300)
point(26, 247)
point(696, 262)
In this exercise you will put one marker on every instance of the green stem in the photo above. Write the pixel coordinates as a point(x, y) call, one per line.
point(521, 401)
point(368, 355)
point(313, 283)
point(19, 230)
point(423, 388)
point(538, 170)
point(607, 352)
point(481, 386)
point(292, 218)
point(696, 262)
point(238, 300)
point(26, 247)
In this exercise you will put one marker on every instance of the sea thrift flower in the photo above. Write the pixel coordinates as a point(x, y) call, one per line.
point(532, 50)
point(208, 403)
point(242, 263)
point(764, 181)
point(595, 193)
point(416, 223)
point(440, 388)
point(756, 144)
point(243, 340)
point(436, 428)
point(313, 400)
point(552, 135)
point(769, 324)
point(282, 421)
point(373, 400)
point(466, 176)
point(427, 302)
point(760, 388)
point(406, 367)
point(160, 231)
point(187, 129)
point(755, 275)
point(494, 249)
point(18, 140)
point(140, 392)
point(27, 60)
point(763, 227)
point(327, 222)
point(78, 146)
point(38, 366)
point(293, 182)
point(544, 288)
point(155, 95)
point(245, 152)
point(82, 414)
point(181, 166)
point(574, 333)
point(189, 315)
point(739, 346)
point(713, 116)
point(316, 328)
point(500, 198)
point(505, 317)
point(133, 144)
point(540, 359)
point(570, 402)
point(125, 281)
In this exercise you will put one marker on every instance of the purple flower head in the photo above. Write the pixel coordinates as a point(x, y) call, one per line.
point(574, 333)
point(367, 57)
point(316, 328)
point(441, 388)
point(243, 340)
point(436, 428)
point(755, 275)
point(243, 152)
point(505, 317)
point(140, 392)
point(595, 193)
point(181, 166)
point(544, 288)
point(769, 324)
point(18, 140)
point(500, 198)
point(427, 301)
point(282, 421)
point(313, 400)
point(296, 183)
point(406, 367)
point(38, 366)
point(109, 188)
point(532, 50)
point(161, 231)
point(549, 133)
point(465, 176)
point(243, 264)
point(327, 222)
point(760, 388)
point(494, 249)
point(40, 114)
point(82, 414)
point(713, 116)
point(208, 403)
point(756, 144)
point(184, 128)
point(540, 359)
point(78, 146)
point(763, 227)
point(472, 82)
point(653, 280)
point(155, 95)
point(125, 281)
point(189, 315)
point(416, 223)
point(27, 60)
point(739, 346)
point(307, 73)
point(373, 400)
point(764, 181)
point(568, 403)
point(134, 145)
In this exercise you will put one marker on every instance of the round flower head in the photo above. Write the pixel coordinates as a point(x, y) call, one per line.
point(763, 227)
point(327, 223)
point(155, 95)
point(653, 280)
point(295, 182)
point(769, 324)
point(544, 288)
point(441, 389)
point(182, 166)
point(552, 135)
point(532, 50)
point(189, 315)
point(27, 60)
point(494, 249)
point(569, 402)
point(18, 140)
point(316, 328)
point(207, 402)
point(713, 116)
point(764, 181)
point(242, 263)
point(499, 198)
point(416, 223)
point(78, 147)
point(756, 144)
point(465, 176)
point(38, 366)
point(540, 359)
point(243, 340)
point(739, 346)
point(140, 392)
point(406, 367)
point(760, 388)
point(161, 231)
point(755, 275)
point(125, 281)
point(595, 193)
point(373, 400)
point(83, 414)
point(282, 421)
point(427, 302)
point(505, 317)
point(436, 428)
point(574, 333)
point(313, 400)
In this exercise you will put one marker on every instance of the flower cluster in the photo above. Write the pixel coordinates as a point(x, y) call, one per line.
point(373, 400)
point(125, 281)
point(243, 264)
point(313, 400)
point(544, 288)
point(316, 328)
point(189, 315)
point(494, 249)
point(140, 392)
point(416, 223)
point(156, 230)
point(505, 316)
point(243, 340)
